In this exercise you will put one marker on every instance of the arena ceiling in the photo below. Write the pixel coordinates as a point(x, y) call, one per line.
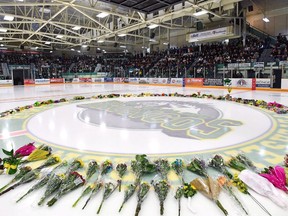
point(66, 24)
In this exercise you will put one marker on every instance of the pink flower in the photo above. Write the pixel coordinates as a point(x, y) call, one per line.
point(25, 150)
point(277, 177)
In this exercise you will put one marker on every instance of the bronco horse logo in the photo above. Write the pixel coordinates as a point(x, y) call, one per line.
point(183, 119)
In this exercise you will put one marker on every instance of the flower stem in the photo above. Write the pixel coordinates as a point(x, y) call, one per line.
point(52, 202)
point(179, 207)
point(99, 209)
point(76, 202)
point(10, 188)
point(120, 183)
point(221, 207)
point(121, 207)
point(161, 208)
point(259, 204)
point(86, 202)
point(138, 209)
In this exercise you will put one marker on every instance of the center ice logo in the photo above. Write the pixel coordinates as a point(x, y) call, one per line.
point(174, 118)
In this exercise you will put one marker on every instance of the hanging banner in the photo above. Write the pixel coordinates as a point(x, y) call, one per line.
point(214, 33)
point(194, 82)
point(213, 82)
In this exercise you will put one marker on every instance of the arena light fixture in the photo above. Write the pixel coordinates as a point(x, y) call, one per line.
point(199, 13)
point(72, 49)
point(59, 36)
point(123, 46)
point(122, 35)
point(51, 51)
point(8, 18)
point(2, 45)
point(47, 42)
point(1, 38)
point(84, 46)
point(265, 19)
point(76, 28)
point(152, 26)
point(45, 10)
point(100, 41)
point(102, 15)
point(3, 30)
point(98, 48)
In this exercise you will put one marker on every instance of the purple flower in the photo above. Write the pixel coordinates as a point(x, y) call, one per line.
point(25, 150)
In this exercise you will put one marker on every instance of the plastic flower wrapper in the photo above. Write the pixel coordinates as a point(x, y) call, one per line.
point(163, 167)
point(217, 162)
point(210, 189)
point(141, 195)
point(86, 191)
point(227, 185)
point(109, 188)
point(53, 185)
point(95, 189)
point(130, 190)
point(276, 176)
point(71, 182)
point(162, 189)
point(263, 187)
point(178, 167)
point(242, 187)
point(286, 160)
point(121, 169)
point(1, 166)
point(75, 165)
point(93, 167)
point(40, 153)
point(49, 162)
point(106, 167)
point(245, 160)
point(42, 182)
point(198, 166)
point(141, 166)
point(25, 150)
point(22, 171)
point(28, 177)
point(236, 164)
point(178, 195)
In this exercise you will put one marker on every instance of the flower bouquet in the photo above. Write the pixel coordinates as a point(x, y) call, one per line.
point(49, 162)
point(162, 189)
point(178, 167)
point(178, 195)
point(121, 169)
point(109, 188)
point(70, 183)
point(42, 182)
point(11, 162)
point(210, 189)
point(227, 185)
point(128, 194)
point(22, 171)
point(141, 166)
point(40, 153)
point(198, 166)
point(25, 150)
point(246, 161)
point(163, 167)
point(217, 162)
point(106, 167)
point(92, 169)
point(276, 176)
point(263, 187)
point(75, 165)
point(95, 189)
point(28, 177)
point(236, 164)
point(141, 195)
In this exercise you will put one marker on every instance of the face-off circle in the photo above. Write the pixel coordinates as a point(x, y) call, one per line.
point(150, 125)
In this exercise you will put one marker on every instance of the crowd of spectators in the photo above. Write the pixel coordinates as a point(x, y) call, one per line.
point(280, 50)
point(194, 60)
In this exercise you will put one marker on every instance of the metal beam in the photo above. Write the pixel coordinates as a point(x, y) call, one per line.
point(44, 24)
